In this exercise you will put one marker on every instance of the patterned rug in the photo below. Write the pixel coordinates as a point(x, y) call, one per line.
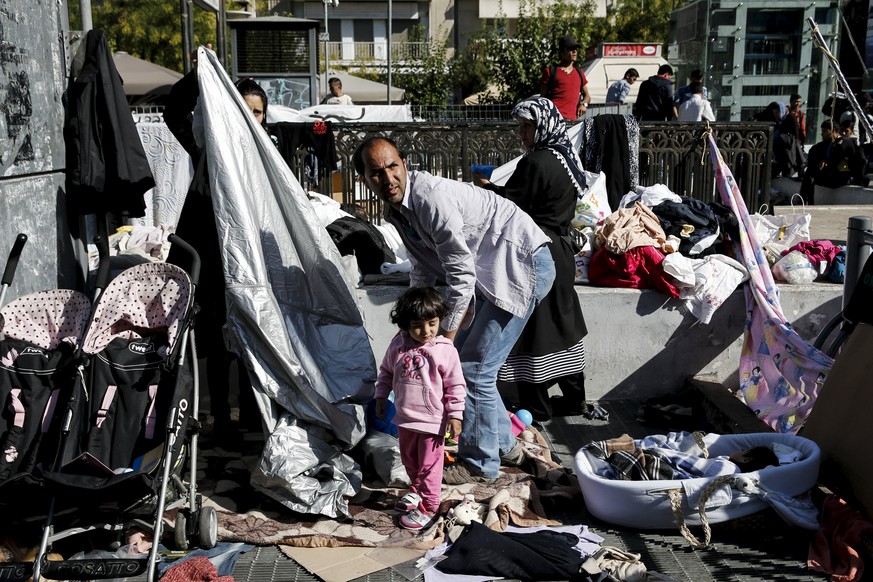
point(245, 515)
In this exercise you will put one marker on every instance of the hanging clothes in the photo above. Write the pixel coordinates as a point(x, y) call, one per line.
point(611, 144)
point(318, 140)
point(107, 169)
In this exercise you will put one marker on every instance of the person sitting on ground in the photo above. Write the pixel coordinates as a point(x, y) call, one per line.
point(497, 265)
point(336, 95)
point(816, 161)
point(618, 91)
point(845, 163)
point(423, 370)
point(696, 108)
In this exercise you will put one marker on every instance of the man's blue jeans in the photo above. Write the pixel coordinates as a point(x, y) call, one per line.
point(484, 347)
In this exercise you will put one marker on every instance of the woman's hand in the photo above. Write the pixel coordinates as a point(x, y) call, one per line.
point(480, 180)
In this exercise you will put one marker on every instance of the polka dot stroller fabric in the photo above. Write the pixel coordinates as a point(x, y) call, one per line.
point(41, 333)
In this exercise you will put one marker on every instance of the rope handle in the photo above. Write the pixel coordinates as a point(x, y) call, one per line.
point(802, 203)
point(676, 507)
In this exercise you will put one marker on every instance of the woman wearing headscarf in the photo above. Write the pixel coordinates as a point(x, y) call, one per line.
point(545, 184)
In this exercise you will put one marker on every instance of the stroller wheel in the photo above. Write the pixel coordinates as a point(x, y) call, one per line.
point(180, 533)
point(208, 528)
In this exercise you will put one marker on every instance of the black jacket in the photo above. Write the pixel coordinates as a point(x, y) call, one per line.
point(655, 100)
point(107, 169)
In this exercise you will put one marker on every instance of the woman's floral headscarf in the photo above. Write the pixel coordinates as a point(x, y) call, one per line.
point(551, 134)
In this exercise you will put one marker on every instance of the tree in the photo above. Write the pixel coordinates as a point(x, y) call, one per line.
point(641, 21)
point(149, 30)
point(516, 62)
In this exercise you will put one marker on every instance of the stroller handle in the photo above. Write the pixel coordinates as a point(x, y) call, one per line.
point(194, 271)
point(103, 269)
point(12, 261)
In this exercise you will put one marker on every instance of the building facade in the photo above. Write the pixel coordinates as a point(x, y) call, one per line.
point(754, 52)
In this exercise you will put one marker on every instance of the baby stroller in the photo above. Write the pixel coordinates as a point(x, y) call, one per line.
point(126, 437)
point(40, 335)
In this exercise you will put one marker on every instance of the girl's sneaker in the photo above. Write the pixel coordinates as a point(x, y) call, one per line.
point(408, 502)
point(417, 519)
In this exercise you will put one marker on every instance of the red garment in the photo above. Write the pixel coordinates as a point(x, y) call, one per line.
point(833, 550)
point(568, 89)
point(639, 268)
point(197, 569)
point(817, 251)
point(801, 125)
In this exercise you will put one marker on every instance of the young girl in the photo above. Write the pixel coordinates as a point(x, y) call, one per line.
point(424, 371)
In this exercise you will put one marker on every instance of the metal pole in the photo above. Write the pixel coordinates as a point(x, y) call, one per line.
point(85, 13)
point(841, 79)
point(388, 54)
point(186, 41)
point(221, 33)
point(326, 39)
point(858, 238)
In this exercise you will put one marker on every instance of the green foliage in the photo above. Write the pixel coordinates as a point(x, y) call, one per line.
point(149, 30)
point(471, 71)
point(427, 82)
point(517, 60)
point(641, 20)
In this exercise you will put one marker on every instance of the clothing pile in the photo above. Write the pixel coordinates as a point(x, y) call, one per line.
point(675, 244)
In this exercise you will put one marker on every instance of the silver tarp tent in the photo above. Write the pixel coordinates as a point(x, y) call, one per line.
point(292, 316)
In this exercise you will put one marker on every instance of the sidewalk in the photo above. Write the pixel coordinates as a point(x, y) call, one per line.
point(758, 547)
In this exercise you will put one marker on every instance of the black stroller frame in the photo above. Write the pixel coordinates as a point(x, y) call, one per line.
point(106, 458)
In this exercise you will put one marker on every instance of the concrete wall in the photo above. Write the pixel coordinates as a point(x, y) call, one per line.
point(32, 80)
point(642, 344)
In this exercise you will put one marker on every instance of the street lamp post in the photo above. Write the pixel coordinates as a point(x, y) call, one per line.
point(325, 37)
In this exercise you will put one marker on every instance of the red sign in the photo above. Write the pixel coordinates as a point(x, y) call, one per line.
point(630, 50)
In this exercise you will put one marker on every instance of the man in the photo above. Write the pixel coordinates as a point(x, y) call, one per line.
point(697, 108)
point(336, 95)
point(478, 243)
point(816, 161)
point(618, 91)
point(683, 94)
point(565, 84)
point(655, 99)
point(799, 118)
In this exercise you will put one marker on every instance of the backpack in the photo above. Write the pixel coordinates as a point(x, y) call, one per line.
point(356, 236)
point(553, 79)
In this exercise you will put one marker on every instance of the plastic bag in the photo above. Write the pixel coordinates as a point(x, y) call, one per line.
point(593, 206)
point(583, 257)
point(795, 268)
point(777, 234)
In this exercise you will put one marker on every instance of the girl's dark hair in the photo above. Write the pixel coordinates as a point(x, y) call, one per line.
point(248, 86)
point(420, 303)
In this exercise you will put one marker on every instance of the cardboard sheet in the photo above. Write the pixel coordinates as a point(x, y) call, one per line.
point(347, 563)
point(841, 423)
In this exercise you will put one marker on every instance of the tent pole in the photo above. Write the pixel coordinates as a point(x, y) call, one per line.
point(85, 13)
point(186, 40)
point(388, 54)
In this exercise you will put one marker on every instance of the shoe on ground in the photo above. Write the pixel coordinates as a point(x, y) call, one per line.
point(513, 458)
point(408, 502)
point(417, 519)
point(460, 472)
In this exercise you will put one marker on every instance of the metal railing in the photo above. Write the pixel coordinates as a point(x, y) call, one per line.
point(497, 112)
point(670, 153)
point(347, 53)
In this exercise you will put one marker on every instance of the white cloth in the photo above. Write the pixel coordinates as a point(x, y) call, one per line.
point(715, 278)
point(649, 196)
point(172, 169)
point(696, 109)
point(337, 100)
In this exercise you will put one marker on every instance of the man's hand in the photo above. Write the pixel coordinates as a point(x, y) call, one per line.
point(450, 335)
point(454, 427)
point(381, 407)
point(480, 180)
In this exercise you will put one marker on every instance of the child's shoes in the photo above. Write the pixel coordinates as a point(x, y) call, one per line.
point(417, 519)
point(408, 502)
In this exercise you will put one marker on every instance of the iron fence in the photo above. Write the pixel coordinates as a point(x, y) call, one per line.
point(670, 153)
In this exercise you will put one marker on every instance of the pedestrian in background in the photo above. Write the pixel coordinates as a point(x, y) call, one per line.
point(683, 94)
point(655, 99)
point(697, 108)
point(336, 96)
point(618, 91)
point(565, 83)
